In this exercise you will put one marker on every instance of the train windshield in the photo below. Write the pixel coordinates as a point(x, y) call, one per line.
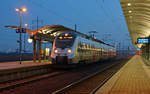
point(64, 41)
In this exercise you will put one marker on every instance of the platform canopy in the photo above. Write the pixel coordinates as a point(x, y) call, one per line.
point(137, 15)
point(47, 33)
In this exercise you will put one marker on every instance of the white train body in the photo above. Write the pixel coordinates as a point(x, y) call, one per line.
point(73, 48)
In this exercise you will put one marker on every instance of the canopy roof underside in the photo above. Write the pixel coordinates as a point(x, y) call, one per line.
point(47, 33)
point(137, 15)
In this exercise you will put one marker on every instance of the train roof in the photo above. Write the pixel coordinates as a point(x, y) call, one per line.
point(48, 33)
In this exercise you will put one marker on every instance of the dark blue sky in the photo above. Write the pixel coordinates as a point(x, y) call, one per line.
point(103, 16)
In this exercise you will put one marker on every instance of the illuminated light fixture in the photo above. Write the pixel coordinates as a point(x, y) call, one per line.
point(55, 35)
point(130, 11)
point(129, 4)
point(56, 51)
point(66, 34)
point(43, 32)
point(60, 37)
point(69, 51)
point(25, 25)
point(48, 31)
point(17, 9)
point(24, 9)
point(30, 40)
point(40, 31)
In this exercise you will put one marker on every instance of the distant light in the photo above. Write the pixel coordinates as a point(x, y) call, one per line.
point(66, 34)
point(24, 9)
point(25, 25)
point(30, 40)
point(56, 51)
point(69, 51)
point(17, 9)
point(130, 11)
point(129, 4)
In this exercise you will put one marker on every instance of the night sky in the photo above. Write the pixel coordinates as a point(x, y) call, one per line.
point(104, 16)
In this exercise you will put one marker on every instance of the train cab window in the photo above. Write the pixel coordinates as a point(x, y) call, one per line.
point(64, 40)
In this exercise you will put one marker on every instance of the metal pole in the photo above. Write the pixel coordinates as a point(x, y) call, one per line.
point(24, 42)
point(75, 27)
point(39, 42)
point(34, 49)
point(45, 51)
point(20, 51)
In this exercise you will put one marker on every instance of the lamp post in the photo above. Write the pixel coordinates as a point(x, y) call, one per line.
point(20, 36)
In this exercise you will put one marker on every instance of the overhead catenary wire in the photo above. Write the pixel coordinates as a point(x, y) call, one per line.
point(51, 11)
point(106, 13)
point(112, 16)
point(43, 5)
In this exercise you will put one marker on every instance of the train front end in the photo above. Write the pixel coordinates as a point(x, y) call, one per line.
point(63, 49)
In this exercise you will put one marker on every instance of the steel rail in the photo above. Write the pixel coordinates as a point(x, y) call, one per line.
point(30, 80)
point(64, 89)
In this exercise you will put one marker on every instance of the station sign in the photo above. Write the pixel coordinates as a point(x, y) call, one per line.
point(142, 40)
point(138, 49)
point(23, 30)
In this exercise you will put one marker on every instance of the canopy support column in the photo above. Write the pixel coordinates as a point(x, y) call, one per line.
point(34, 49)
point(39, 54)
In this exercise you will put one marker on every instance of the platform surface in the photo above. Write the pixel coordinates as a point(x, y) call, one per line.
point(132, 78)
point(16, 64)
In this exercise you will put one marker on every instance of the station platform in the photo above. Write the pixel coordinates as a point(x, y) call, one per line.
point(132, 78)
point(16, 64)
point(10, 71)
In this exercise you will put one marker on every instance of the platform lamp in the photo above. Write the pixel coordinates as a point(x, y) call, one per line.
point(20, 36)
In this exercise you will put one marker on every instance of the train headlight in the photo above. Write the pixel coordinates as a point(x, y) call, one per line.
point(56, 51)
point(69, 51)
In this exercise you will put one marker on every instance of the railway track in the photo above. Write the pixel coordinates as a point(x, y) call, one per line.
point(56, 81)
point(90, 84)
point(4, 86)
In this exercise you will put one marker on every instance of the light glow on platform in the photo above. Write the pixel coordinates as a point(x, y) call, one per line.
point(130, 11)
point(129, 4)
